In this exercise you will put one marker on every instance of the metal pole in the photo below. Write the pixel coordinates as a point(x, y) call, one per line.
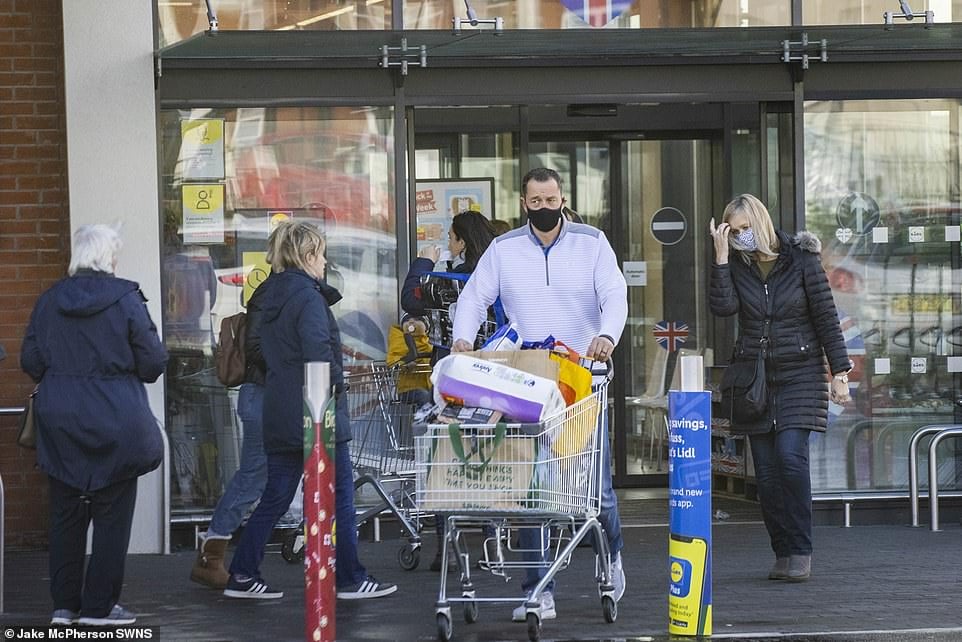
point(914, 442)
point(319, 584)
point(3, 528)
point(934, 472)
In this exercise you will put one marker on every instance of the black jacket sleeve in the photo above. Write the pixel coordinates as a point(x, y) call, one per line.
point(824, 315)
point(722, 296)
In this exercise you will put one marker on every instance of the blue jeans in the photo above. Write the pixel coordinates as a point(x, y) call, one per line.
point(248, 482)
point(785, 489)
point(284, 472)
point(530, 539)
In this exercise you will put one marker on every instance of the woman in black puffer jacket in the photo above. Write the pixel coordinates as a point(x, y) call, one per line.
point(771, 271)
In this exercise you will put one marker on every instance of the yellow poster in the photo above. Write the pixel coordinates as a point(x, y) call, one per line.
point(256, 271)
point(202, 149)
point(203, 220)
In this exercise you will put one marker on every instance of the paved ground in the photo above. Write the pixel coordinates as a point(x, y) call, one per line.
point(869, 583)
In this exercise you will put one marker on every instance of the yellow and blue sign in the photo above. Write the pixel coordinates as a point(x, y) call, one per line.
point(689, 546)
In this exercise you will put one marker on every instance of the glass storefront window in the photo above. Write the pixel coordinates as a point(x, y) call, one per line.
point(618, 14)
point(882, 194)
point(861, 12)
point(178, 20)
point(228, 176)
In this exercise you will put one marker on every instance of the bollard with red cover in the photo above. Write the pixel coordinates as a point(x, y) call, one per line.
point(319, 527)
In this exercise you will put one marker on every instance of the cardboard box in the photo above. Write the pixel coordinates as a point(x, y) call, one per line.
point(536, 362)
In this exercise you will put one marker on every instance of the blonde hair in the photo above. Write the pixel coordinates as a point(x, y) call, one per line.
point(95, 247)
point(758, 219)
point(291, 243)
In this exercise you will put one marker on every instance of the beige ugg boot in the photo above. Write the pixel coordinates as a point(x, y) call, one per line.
point(209, 567)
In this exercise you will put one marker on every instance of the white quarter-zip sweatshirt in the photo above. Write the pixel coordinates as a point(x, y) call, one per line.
point(572, 289)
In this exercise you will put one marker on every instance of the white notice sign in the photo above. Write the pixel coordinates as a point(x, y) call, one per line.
point(636, 273)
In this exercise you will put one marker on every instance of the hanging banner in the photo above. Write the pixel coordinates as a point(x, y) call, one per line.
point(689, 547)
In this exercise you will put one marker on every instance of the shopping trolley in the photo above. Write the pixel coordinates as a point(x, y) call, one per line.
point(382, 452)
point(510, 476)
point(440, 292)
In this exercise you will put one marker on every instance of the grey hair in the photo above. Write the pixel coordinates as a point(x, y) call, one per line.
point(95, 247)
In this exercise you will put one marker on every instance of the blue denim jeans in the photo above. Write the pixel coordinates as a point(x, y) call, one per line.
point(248, 482)
point(350, 571)
point(284, 472)
point(785, 489)
point(530, 539)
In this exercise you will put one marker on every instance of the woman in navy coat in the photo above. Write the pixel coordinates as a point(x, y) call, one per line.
point(776, 285)
point(90, 346)
point(298, 327)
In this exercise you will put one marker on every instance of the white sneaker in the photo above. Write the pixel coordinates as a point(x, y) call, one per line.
point(618, 577)
point(546, 611)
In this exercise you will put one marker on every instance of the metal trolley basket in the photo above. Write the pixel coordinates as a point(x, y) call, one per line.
point(382, 452)
point(503, 477)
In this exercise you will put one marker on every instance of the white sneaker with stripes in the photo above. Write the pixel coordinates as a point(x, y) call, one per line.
point(368, 587)
point(251, 588)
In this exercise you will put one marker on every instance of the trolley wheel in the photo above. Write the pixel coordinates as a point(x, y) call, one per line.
point(409, 557)
point(470, 612)
point(292, 549)
point(610, 607)
point(534, 627)
point(444, 627)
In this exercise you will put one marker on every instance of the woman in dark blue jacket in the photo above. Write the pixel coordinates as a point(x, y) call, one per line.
point(298, 327)
point(90, 346)
point(778, 289)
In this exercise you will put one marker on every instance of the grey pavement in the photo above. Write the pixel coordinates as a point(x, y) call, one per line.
point(869, 583)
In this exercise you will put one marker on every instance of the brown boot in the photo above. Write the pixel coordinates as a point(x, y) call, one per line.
point(209, 567)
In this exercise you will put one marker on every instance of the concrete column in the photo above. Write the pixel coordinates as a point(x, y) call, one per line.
point(112, 169)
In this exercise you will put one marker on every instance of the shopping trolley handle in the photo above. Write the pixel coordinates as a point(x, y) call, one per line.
point(599, 368)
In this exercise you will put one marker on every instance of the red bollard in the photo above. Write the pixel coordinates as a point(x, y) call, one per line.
point(320, 590)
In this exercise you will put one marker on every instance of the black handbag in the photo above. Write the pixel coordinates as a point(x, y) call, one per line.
point(744, 391)
point(27, 436)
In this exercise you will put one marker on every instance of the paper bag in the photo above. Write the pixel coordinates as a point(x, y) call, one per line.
point(478, 469)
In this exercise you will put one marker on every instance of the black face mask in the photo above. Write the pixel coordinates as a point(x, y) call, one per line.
point(545, 219)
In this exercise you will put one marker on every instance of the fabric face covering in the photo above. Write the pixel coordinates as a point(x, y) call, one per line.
point(545, 218)
point(744, 241)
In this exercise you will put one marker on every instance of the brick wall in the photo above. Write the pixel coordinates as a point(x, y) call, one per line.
point(34, 227)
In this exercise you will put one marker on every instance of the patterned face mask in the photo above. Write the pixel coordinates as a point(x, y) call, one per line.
point(744, 241)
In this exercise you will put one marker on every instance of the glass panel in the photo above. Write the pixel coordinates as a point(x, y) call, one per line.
point(882, 193)
point(860, 12)
point(227, 176)
point(585, 170)
point(667, 309)
point(180, 20)
point(579, 14)
point(492, 156)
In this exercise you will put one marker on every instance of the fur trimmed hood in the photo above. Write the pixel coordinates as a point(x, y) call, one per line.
point(808, 242)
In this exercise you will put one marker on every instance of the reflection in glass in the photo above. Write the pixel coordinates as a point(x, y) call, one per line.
point(882, 193)
point(619, 14)
point(861, 12)
point(330, 165)
point(180, 20)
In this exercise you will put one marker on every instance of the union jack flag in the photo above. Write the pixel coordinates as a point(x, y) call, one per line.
point(597, 13)
point(670, 335)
